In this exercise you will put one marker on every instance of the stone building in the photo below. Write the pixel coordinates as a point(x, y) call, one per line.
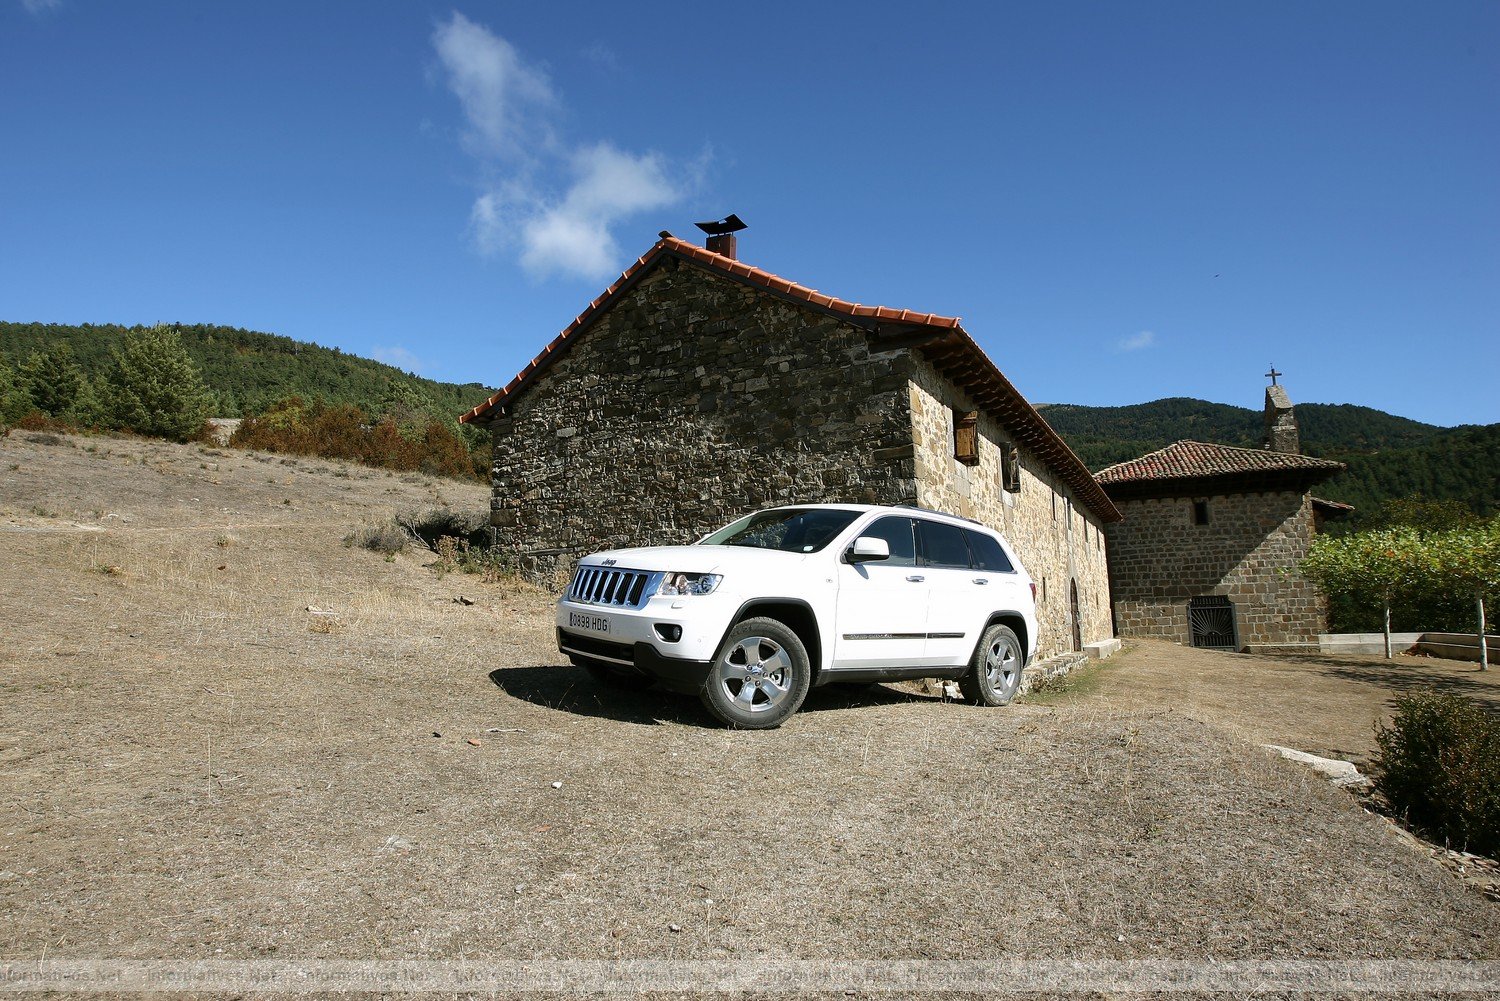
point(697, 389)
point(1212, 534)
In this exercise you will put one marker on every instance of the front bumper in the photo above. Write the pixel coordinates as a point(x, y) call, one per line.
point(632, 638)
point(679, 675)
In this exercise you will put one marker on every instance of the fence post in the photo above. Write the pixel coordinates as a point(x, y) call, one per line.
point(1484, 646)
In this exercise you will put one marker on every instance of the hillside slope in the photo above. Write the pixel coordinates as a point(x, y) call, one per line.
point(227, 736)
point(247, 370)
point(1388, 456)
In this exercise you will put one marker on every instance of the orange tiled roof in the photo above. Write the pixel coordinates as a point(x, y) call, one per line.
point(728, 265)
point(940, 338)
point(1196, 460)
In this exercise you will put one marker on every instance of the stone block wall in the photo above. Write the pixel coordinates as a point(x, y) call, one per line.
point(692, 401)
point(1159, 559)
point(1058, 540)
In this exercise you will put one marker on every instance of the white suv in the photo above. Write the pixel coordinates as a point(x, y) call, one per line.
point(753, 615)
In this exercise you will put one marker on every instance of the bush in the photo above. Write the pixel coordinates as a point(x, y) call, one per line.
point(1439, 767)
point(344, 431)
point(460, 540)
point(430, 527)
point(389, 538)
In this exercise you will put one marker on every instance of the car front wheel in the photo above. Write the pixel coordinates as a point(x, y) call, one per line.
point(995, 674)
point(760, 675)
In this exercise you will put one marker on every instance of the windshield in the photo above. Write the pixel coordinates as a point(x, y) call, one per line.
point(790, 530)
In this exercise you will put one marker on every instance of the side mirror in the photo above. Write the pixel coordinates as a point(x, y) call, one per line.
point(866, 549)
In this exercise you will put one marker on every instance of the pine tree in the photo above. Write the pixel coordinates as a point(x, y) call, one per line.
point(14, 402)
point(52, 379)
point(154, 387)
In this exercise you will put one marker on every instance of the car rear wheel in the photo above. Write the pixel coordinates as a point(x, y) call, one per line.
point(994, 676)
point(760, 675)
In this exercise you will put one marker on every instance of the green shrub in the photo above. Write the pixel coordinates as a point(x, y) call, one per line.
point(1439, 767)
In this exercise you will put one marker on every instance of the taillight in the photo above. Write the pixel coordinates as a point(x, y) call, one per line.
point(1033, 592)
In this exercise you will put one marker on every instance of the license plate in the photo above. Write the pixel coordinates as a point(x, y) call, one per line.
point(593, 623)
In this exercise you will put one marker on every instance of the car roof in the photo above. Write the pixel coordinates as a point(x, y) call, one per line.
point(910, 510)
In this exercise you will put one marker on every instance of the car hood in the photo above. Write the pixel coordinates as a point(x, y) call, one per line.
point(694, 559)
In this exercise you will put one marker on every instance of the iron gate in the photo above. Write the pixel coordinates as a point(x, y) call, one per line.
point(1211, 619)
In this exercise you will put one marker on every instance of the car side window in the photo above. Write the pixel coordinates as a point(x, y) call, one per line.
point(942, 545)
point(988, 553)
point(897, 534)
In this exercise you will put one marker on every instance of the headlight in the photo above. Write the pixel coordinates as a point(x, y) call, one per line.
point(675, 584)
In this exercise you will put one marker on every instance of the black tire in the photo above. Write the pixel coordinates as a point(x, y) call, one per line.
point(994, 675)
point(759, 677)
point(613, 675)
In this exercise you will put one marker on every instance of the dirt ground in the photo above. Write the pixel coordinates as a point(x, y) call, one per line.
point(1327, 705)
point(192, 765)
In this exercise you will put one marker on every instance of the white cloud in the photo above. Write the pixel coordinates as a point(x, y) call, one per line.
point(1137, 342)
point(399, 357)
point(552, 203)
point(39, 7)
point(603, 57)
point(504, 98)
point(572, 236)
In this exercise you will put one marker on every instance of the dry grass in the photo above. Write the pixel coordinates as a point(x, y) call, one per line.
point(190, 767)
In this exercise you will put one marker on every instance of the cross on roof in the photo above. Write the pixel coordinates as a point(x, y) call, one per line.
point(1273, 374)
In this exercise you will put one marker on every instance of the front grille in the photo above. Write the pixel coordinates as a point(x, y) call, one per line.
point(609, 586)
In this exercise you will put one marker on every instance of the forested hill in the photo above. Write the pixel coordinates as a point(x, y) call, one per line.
point(248, 370)
point(1388, 456)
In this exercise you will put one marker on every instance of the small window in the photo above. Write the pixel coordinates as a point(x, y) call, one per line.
point(1044, 590)
point(1200, 512)
point(942, 545)
point(988, 553)
point(897, 534)
point(1054, 505)
point(1010, 468)
point(966, 436)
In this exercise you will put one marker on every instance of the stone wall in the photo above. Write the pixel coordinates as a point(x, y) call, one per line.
point(694, 400)
point(1159, 559)
point(1057, 539)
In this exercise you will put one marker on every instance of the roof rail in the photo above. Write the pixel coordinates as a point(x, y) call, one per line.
point(945, 514)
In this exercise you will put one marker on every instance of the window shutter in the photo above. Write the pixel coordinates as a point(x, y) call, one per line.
point(966, 437)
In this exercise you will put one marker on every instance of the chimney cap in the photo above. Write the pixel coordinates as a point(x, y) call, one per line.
point(729, 224)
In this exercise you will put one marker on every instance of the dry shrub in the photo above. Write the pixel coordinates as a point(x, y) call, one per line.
point(325, 624)
point(344, 431)
point(1439, 767)
point(434, 524)
point(388, 538)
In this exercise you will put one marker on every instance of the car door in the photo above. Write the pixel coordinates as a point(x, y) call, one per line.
point(881, 616)
point(954, 598)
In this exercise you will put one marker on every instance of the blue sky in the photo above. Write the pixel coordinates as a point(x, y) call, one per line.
point(1123, 201)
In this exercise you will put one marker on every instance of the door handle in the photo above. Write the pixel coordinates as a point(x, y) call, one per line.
point(916, 578)
point(981, 580)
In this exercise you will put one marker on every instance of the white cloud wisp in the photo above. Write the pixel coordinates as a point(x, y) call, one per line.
point(1137, 342)
point(551, 203)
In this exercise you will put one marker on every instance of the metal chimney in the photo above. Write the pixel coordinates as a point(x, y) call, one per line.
point(721, 235)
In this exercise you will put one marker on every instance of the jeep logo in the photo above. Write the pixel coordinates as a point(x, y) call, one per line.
point(609, 563)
